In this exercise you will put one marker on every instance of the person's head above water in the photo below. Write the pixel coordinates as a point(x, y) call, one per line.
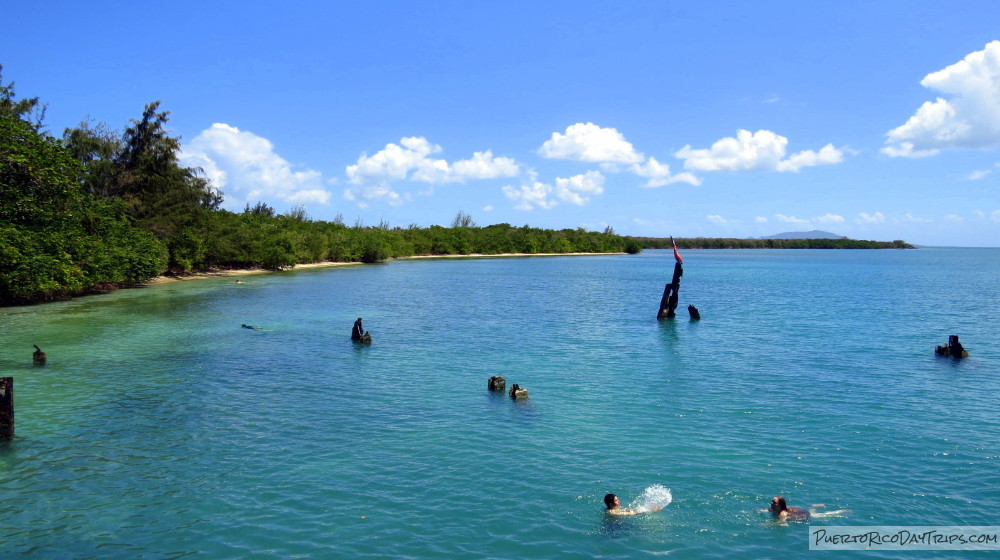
point(778, 504)
point(780, 509)
point(611, 501)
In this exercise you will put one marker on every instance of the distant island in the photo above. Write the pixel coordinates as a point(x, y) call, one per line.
point(791, 240)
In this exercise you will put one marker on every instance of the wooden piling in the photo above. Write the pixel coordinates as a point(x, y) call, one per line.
point(6, 408)
point(668, 303)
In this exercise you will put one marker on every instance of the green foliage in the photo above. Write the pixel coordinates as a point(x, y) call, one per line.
point(141, 167)
point(30, 111)
point(55, 239)
point(463, 220)
point(733, 243)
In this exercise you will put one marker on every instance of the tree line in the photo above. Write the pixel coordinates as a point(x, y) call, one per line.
point(99, 208)
point(735, 243)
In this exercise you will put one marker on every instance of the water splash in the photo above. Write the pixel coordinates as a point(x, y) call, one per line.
point(654, 497)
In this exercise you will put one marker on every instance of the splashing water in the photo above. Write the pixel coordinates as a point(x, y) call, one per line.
point(652, 498)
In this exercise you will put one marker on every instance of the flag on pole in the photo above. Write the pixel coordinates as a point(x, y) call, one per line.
point(676, 254)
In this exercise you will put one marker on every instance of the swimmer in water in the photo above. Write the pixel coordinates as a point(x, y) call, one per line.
point(615, 507)
point(782, 512)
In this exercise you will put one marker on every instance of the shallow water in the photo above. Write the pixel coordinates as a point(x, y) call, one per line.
point(161, 429)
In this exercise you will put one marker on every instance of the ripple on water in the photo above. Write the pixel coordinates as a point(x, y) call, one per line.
point(809, 376)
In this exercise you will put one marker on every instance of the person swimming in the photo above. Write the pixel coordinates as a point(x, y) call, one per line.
point(614, 506)
point(783, 512)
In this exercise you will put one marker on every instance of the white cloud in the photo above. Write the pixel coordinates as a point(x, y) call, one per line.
point(575, 188)
point(995, 216)
point(827, 155)
point(979, 174)
point(530, 195)
point(364, 195)
point(954, 218)
point(790, 219)
point(247, 169)
point(659, 174)
point(911, 218)
point(970, 118)
point(876, 218)
point(589, 142)
point(759, 151)
point(483, 165)
point(829, 219)
point(760, 220)
point(716, 219)
point(412, 160)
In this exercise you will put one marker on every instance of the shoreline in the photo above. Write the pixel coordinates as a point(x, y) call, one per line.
point(227, 273)
point(500, 255)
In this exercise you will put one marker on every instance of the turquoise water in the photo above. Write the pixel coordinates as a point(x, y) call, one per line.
point(161, 429)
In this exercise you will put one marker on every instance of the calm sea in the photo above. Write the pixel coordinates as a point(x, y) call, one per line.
point(162, 429)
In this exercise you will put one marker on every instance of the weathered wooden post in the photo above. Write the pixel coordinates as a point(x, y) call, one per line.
point(517, 392)
point(954, 348)
point(38, 357)
point(668, 303)
point(6, 408)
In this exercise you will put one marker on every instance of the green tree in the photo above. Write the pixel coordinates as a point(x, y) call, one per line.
point(55, 239)
point(29, 110)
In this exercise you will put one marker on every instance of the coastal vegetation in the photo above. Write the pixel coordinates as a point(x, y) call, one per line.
point(735, 243)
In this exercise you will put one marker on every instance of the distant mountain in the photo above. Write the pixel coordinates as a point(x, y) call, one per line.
point(814, 234)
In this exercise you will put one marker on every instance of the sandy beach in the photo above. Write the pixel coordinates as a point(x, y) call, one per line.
point(249, 271)
point(239, 272)
point(499, 255)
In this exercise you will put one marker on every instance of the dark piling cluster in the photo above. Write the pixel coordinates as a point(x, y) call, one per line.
point(359, 335)
point(953, 349)
point(498, 384)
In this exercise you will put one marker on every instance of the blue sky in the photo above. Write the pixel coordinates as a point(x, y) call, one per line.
point(874, 120)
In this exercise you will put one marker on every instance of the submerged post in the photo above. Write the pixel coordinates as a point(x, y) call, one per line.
point(668, 303)
point(954, 348)
point(38, 357)
point(358, 333)
point(517, 392)
point(6, 408)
